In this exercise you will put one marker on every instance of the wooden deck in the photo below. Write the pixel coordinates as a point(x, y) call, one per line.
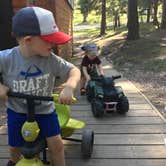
point(134, 139)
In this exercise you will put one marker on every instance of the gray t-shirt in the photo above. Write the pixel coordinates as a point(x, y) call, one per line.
point(34, 75)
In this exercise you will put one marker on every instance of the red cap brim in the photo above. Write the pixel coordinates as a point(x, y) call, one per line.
point(57, 38)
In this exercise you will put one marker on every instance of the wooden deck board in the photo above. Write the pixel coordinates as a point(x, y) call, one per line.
point(122, 120)
point(118, 129)
point(116, 162)
point(114, 139)
point(132, 106)
point(110, 152)
point(78, 113)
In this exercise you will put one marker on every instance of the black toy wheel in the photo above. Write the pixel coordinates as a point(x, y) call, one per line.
point(123, 105)
point(87, 143)
point(97, 107)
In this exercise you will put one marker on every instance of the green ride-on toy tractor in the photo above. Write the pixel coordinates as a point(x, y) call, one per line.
point(35, 144)
point(105, 97)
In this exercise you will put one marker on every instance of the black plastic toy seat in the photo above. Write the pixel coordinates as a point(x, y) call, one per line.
point(110, 95)
point(107, 82)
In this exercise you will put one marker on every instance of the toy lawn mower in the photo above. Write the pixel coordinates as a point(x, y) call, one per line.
point(104, 96)
point(35, 144)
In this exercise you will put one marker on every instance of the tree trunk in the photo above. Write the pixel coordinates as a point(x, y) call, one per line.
point(115, 21)
point(119, 24)
point(155, 7)
point(103, 18)
point(85, 15)
point(133, 25)
point(163, 21)
point(141, 17)
point(148, 14)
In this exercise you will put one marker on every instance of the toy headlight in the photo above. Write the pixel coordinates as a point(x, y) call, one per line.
point(30, 131)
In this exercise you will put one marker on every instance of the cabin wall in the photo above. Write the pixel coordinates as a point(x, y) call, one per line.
point(63, 14)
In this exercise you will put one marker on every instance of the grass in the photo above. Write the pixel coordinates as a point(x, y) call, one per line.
point(87, 32)
point(92, 18)
point(94, 32)
point(146, 54)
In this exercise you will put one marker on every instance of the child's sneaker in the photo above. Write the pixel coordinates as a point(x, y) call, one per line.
point(11, 163)
point(83, 91)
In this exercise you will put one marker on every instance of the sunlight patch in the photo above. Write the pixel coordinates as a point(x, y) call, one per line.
point(107, 67)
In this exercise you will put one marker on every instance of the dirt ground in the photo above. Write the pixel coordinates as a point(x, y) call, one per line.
point(148, 76)
point(153, 86)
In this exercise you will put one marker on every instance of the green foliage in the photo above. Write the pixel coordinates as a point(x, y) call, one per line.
point(118, 6)
point(92, 18)
point(77, 17)
point(144, 3)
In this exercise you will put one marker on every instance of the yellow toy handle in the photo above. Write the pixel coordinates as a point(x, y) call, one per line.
point(56, 97)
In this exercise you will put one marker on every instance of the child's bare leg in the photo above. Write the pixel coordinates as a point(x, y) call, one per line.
point(82, 83)
point(56, 149)
point(14, 154)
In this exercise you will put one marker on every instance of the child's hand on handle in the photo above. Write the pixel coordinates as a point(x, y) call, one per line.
point(66, 95)
point(3, 92)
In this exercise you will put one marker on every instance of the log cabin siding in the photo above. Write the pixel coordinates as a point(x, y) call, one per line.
point(64, 17)
point(63, 13)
